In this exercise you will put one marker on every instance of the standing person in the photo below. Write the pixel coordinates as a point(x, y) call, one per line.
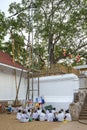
point(42, 102)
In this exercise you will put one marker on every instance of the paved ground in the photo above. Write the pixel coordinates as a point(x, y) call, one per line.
point(9, 122)
point(74, 125)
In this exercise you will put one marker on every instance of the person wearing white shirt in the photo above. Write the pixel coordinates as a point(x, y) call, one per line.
point(42, 116)
point(53, 110)
point(38, 111)
point(24, 117)
point(35, 115)
point(47, 112)
point(63, 112)
point(18, 116)
point(50, 116)
point(60, 116)
point(67, 116)
point(28, 113)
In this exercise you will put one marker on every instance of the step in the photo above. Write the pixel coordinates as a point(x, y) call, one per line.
point(85, 105)
point(82, 118)
point(83, 114)
point(84, 110)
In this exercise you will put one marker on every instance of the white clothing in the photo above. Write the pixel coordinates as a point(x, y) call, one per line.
point(60, 117)
point(42, 116)
point(35, 115)
point(47, 112)
point(63, 114)
point(28, 114)
point(50, 117)
point(68, 117)
point(39, 111)
point(24, 118)
point(53, 111)
point(18, 116)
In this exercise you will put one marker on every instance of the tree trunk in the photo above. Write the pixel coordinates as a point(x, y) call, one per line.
point(51, 50)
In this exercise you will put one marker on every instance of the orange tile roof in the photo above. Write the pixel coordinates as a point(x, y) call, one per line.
point(6, 59)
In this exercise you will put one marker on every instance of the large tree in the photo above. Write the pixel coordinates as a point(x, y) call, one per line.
point(56, 30)
point(63, 24)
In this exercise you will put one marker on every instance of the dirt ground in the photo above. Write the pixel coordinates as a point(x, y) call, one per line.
point(9, 122)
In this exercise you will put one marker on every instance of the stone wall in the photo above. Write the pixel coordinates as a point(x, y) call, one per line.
point(75, 108)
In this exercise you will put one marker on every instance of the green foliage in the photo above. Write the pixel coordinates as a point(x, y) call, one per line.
point(2, 26)
point(54, 24)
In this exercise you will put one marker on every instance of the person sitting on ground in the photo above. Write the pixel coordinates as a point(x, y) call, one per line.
point(24, 117)
point(67, 116)
point(60, 116)
point(19, 114)
point(55, 117)
point(63, 112)
point(50, 116)
point(38, 111)
point(42, 116)
point(9, 108)
point(35, 115)
point(53, 110)
point(47, 111)
point(28, 113)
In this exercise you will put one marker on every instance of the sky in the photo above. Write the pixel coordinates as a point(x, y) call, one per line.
point(4, 5)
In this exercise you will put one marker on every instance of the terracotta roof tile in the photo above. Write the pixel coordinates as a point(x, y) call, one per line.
point(7, 59)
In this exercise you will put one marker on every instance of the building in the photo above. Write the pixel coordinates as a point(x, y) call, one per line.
point(13, 79)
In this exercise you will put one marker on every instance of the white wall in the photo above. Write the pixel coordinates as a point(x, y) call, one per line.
point(8, 85)
point(83, 81)
point(58, 90)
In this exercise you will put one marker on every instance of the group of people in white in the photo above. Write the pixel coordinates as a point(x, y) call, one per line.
point(37, 114)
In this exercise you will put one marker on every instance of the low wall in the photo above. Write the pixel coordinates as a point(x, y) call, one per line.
point(56, 90)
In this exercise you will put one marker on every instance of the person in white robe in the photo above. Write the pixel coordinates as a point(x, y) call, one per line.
point(19, 114)
point(60, 116)
point(50, 116)
point(24, 117)
point(42, 116)
point(67, 116)
point(35, 115)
